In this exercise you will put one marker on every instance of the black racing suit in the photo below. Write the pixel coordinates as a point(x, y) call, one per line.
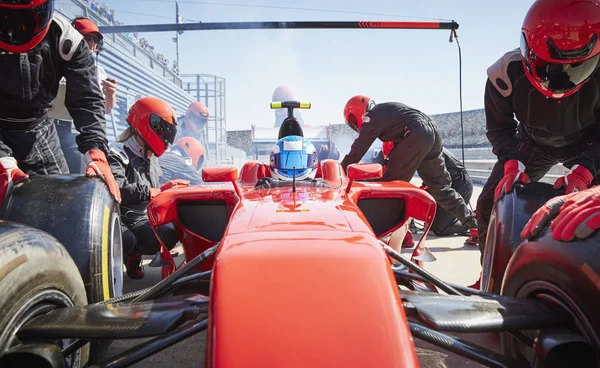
point(30, 83)
point(135, 176)
point(174, 166)
point(445, 223)
point(418, 147)
point(523, 124)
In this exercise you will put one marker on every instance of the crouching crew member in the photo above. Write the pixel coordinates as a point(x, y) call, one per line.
point(417, 147)
point(152, 127)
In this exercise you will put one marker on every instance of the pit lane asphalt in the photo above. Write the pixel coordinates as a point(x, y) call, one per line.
point(456, 263)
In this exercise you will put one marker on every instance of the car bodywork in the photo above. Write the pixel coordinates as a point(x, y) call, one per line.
point(298, 276)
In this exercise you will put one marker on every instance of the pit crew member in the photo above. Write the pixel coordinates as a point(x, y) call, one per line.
point(541, 103)
point(418, 147)
point(183, 161)
point(93, 37)
point(196, 119)
point(37, 49)
point(134, 161)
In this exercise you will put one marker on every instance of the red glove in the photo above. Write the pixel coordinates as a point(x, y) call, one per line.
point(98, 165)
point(514, 171)
point(174, 183)
point(9, 174)
point(154, 192)
point(577, 216)
point(578, 179)
point(168, 185)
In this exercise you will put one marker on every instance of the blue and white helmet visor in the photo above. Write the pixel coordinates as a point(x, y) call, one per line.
point(293, 155)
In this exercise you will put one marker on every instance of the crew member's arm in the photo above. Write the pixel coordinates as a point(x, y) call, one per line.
point(131, 193)
point(85, 103)
point(84, 100)
point(500, 123)
point(361, 145)
point(110, 94)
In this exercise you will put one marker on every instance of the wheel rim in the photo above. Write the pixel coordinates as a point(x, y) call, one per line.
point(116, 256)
point(547, 291)
point(40, 303)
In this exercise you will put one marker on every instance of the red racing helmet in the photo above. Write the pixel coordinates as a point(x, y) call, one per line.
point(88, 28)
point(24, 23)
point(559, 45)
point(154, 121)
point(194, 149)
point(354, 110)
point(196, 116)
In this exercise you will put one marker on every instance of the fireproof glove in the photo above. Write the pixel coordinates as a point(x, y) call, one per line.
point(175, 183)
point(97, 164)
point(154, 192)
point(168, 185)
point(576, 216)
point(514, 171)
point(578, 179)
point(9, 174)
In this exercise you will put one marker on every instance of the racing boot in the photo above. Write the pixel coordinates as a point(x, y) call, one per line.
point(412, 227)
point(135, 270)
point(473, 237)
point(408, 241)
point(477, 284)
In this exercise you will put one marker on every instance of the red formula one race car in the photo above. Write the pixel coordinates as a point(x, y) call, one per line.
point(296, 275)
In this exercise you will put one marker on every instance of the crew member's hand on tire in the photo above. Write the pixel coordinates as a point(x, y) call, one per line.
point(576, 180)
point(9, 174)
point(576, 216)
point(514, 171)
point(97, 165)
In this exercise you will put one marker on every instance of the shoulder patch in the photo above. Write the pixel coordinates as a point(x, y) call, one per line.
point(69, 37)
point(366, 118)
point(120, 153)
point(498, 72)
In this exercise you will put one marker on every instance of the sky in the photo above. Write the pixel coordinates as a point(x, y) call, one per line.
point(326, 67)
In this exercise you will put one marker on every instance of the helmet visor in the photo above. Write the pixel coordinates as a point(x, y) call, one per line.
point(199, 121)
point(163, 128)
point(555, 77)
point(19, 24)
point(285, 162)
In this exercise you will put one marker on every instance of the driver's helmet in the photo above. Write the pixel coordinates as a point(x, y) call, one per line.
point(196, 116)
point(293, 152)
